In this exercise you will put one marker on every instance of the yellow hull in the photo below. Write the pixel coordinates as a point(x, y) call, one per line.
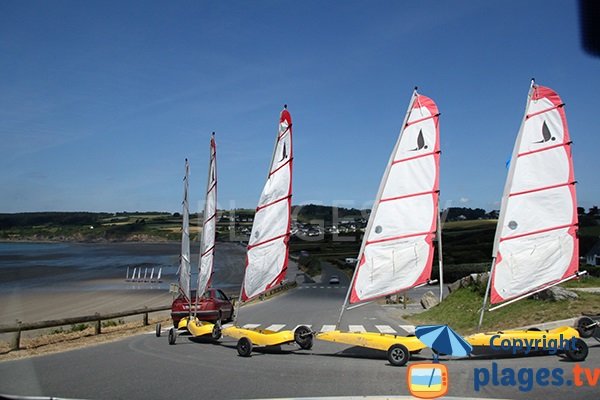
point(371, 340)
point(183, 323)
point(495, 338)
point(260, 337)
point(200, 328)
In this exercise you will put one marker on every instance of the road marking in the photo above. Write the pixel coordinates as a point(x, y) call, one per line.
point(410, 329)
point(328, 328)
point(307, 325)
point(385, 329)
point(229, 325)
point(356, 328)
point(275, 327)
point(251, 326)
point(321, 287)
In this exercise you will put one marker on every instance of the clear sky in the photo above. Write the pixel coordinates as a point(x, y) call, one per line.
point(101, 101)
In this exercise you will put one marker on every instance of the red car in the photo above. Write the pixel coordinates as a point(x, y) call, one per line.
point(213, 306)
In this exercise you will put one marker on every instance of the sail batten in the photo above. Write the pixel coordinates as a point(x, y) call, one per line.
point(397, 249)
point(267, 251)
point(207, 241)
point(536, 243)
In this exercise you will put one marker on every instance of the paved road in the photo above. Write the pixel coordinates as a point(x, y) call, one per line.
point(146, 367)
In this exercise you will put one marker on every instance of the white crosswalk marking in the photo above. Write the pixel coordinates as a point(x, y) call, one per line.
point(327, 328)
point(410, 329)
point(296, 327)
point(385, 329)
point(356, 328)
point(250, 326)
point(275, 327)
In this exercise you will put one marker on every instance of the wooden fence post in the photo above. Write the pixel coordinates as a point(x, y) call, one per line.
point(145, 320)
point(98, 324)
point(16, 342)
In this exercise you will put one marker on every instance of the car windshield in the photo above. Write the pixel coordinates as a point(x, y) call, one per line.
point(355, 186)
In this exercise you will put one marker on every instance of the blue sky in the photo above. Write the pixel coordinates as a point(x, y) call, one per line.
point(101, 102)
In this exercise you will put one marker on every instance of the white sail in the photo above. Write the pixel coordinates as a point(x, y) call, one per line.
point(397, 249)
point(536, 243)
point(184, 262)
point(207, 243)
point(267, 255)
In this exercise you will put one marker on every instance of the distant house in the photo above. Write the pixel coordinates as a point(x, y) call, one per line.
point(593, 256)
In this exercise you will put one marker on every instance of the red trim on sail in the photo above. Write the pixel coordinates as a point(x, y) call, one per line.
point(407, 196)
point(272, 203)
point(207, 251)
point(281, 166)
point(543, 111)
point(415, 157)
point(541, 189)
point(421, 120)
point(544, 149)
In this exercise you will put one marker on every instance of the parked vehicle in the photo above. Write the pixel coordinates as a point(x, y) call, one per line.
point(213, 306)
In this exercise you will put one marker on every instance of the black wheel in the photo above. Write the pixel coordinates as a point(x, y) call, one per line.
point(303, 337)
point(216, 331)
point(586, 327)
point(158, 329)
point(172, 336)
point(244, 347)
point(579, 352)
point(398, 355)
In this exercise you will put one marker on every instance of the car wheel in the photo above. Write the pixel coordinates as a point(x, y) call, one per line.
point(586, 327)
point(216, 331)
point(303, 337)
point(158, 330)
point(244, 347)
point(579, 351)
point(398, 355)
point(172, 336)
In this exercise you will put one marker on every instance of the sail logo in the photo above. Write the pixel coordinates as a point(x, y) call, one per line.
point(284, 153)
point(546, 134)
point(420, 142)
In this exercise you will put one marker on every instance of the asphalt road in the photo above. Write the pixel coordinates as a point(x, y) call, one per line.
point(147, 367)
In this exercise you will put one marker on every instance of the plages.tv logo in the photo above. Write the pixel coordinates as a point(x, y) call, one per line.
point(431, 380)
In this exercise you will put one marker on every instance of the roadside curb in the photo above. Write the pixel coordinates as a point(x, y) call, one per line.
point(551, 325)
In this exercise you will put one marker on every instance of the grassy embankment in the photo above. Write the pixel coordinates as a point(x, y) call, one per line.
point(461, 309)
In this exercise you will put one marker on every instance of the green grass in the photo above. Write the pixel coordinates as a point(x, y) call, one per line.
point(460, 310)
point(583, 282)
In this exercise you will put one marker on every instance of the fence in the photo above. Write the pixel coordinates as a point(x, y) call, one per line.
point(97, 318)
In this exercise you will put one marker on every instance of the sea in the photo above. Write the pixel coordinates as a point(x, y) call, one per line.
point(101, 266)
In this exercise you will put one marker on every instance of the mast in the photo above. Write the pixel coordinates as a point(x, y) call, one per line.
point(536, 245)
point(207, 241)
point(397, 251)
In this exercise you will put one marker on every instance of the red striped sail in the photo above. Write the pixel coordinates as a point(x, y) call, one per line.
point(536, 243)
point(397, 249)
point(267, 255)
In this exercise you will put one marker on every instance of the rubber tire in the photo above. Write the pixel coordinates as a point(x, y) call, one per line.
point(244, 347)
point(172, 336)
point(216, 333)
point(303, 337)
point(581, 327)
point(579, 353)
point(398, 355)
point(158, 330)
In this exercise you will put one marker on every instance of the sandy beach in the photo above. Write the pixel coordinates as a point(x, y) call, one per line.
point(43, 287)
